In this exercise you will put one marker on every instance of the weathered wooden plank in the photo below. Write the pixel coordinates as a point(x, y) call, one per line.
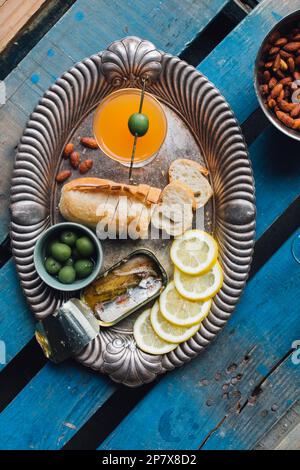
point(291, 441)
point(16, 325)
point(14, 14)
point(278, 392)
point(198, 397)
point(87, 28)
point(51, 409)
point(234, 58)
point(284, 435)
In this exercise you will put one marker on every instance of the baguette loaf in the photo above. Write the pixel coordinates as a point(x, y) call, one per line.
point(93, 200)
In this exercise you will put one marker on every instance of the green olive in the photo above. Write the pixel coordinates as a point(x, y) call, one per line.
point(85, 246)
point(67, 275)
point(52, 266)
point(69, 262)
point(138, 124)
point(49, 246)
point(60, 251)
point(83, 268)
point(69, 238)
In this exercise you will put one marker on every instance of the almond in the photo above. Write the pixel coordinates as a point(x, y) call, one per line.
point(271, 103)
point(75, 159)
point(296, 111)
point(285, 54)
point(281, 95)
point(274, 50)
point(264, 89)
point(281, 42)
point(276, 90)
point(69, 148)
point(286, 106)
point(285, 119)
point(63, 176)
point(283, 65)
point(266, 76)
point(85, 166)
point(296, 124)
point(276, 65)
point(269, 65)
point(272, 83)
point(89, 142)
point(292, 46)
point(291, 64)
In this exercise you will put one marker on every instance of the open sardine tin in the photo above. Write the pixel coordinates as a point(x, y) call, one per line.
point(126, 287)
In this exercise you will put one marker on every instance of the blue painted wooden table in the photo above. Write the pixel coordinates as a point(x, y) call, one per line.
point(236, 391)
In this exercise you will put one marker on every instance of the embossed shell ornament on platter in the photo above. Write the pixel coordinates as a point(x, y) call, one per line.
point(125, 63)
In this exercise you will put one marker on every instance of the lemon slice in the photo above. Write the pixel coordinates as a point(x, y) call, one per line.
point(145, 337)
point(195, 252)
point(200, 287)
point(169, 332)
point(180, 311)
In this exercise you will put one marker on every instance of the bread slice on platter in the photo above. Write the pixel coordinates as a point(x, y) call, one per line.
point(192, 174)
point(174, 213)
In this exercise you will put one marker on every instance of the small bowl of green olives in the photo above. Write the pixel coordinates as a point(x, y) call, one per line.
point(68, 256)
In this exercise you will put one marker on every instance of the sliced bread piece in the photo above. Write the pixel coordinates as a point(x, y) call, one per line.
point(191, 173)
point(175, 212)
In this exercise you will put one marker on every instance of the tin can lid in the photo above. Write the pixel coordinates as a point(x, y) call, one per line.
point(67, 331)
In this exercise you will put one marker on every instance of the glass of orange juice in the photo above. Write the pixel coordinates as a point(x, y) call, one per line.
point(111, 126)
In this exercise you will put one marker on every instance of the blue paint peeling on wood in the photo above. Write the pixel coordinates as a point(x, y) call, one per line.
point(239, 431)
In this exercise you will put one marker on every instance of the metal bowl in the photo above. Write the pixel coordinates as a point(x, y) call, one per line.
point(281, 26)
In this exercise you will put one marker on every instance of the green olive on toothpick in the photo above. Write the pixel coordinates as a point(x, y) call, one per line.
point(138, 124)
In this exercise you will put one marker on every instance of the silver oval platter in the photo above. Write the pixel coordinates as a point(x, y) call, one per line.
point(201, 126)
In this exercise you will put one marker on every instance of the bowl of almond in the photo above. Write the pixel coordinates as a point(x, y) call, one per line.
point(277, 75)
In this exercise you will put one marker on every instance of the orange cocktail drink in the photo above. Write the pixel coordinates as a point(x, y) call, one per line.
point(111, 126)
